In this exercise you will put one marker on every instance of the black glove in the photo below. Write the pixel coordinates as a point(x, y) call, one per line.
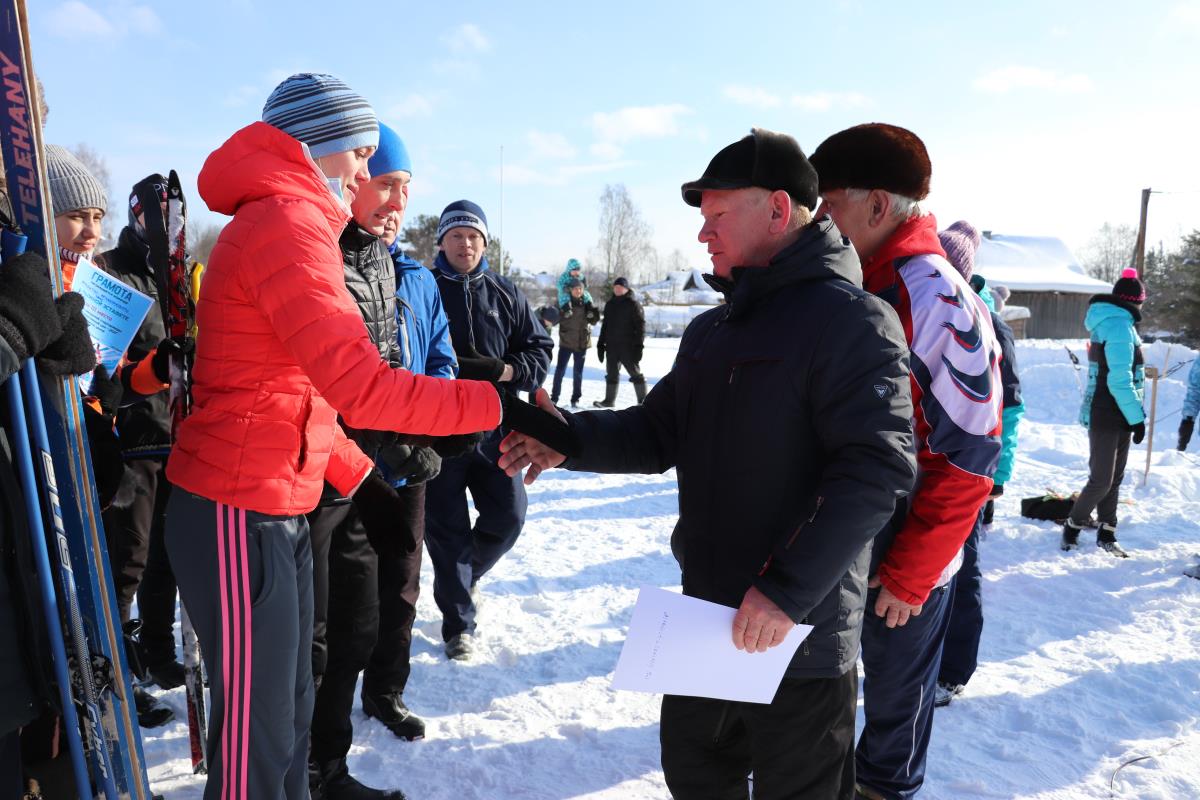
point(474, 367)
point(106, 390)
point(380, 508)
point(72, 353)
point(1185, 431)
point(997, 490)
point(28, 321)
point(600, 352)
point(452, 446)
point(167, 348)
point(423, 464)
point(541, 425)
point(637, 356)
point(1139, 432)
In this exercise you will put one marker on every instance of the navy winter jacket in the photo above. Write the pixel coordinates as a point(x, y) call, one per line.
point(489, 315)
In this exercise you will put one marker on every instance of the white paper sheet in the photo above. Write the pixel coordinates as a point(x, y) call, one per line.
point(682, 645)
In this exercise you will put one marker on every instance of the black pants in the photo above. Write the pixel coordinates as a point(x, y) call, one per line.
point(11, 782)
point(799, 746)
point(246, 579)
point(138, 557)
point(399, 588)
point(900, 668)
point(565, 355)
point(346, 620)
point(1108, 450)
point(617, 359)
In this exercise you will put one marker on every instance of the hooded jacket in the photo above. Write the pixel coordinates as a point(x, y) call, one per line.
point(282, 348)
point(1116, 371)
point(788, 418)
point(489, 315)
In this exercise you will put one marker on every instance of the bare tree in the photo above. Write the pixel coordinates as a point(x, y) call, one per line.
point(419, 239)
point(201, 240)
point(1109, 251)
point(624, 247)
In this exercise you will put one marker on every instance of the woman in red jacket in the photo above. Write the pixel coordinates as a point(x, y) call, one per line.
point(282, 351)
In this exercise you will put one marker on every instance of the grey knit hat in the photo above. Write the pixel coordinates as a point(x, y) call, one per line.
point(71, 185)
point(323, 112)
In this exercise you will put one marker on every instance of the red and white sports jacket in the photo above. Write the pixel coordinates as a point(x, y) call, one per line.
point(957, 396)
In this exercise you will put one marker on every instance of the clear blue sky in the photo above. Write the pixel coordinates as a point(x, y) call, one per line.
point(1040, 117)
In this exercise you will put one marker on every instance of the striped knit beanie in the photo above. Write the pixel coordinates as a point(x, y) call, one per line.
point(71, 185)
point(324, 113)
point(462, 214)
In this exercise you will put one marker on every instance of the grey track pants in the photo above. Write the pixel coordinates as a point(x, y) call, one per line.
point(1108, 451)
point(246, 579)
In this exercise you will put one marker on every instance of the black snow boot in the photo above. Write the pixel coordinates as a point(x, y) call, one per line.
point(337, 784)
point(1106, 537)
point(150, 712)
point(167, 674)
point(389, 709)
point(1070, 536)
point(610, 396)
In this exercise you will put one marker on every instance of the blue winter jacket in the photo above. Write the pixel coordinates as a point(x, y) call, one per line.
point(489, 315)
point(1116, 372)
point(1191, 402)
point(424, 331)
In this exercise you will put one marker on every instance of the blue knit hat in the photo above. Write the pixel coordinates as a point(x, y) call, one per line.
point(392, 155)
point(324, 113)
point(462, 214)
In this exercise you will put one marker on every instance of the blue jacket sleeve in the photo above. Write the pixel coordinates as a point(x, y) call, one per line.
point(1191, 402)
point(1119, 346)
point(441, 361)
point(1008, 443)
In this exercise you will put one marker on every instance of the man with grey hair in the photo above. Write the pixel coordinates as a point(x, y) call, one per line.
point(787, 415)
point(872, 179)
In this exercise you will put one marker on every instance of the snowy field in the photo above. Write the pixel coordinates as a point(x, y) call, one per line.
point(1088, 661)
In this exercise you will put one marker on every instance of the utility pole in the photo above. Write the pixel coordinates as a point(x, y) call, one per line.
point(1139, 252)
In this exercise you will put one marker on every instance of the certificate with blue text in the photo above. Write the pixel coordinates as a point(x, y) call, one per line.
point(114, 311)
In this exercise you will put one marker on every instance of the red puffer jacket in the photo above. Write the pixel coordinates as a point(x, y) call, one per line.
point(282, 348)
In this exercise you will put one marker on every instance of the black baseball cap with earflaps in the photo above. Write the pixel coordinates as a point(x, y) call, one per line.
point(765, 160)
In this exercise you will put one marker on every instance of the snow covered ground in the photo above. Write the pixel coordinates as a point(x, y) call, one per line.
point(1087, 661)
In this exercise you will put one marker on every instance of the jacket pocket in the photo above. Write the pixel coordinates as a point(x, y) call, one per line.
point(306, 411)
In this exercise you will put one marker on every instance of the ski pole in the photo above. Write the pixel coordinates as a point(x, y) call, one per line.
point(1075, 361)
point(1152, 373)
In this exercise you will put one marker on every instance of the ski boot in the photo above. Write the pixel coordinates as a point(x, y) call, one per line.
point(1106, 537)
point(150, 712)
point(946, 692)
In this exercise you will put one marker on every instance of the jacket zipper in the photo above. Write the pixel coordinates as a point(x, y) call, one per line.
point(401, 307)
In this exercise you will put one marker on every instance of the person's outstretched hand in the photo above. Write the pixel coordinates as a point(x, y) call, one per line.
point(520, 450)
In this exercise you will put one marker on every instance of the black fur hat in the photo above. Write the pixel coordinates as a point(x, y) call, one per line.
point(874, 156)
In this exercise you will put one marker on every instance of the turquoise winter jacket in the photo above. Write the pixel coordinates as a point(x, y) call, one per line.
point(1115, 370)
point(1191, 402)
